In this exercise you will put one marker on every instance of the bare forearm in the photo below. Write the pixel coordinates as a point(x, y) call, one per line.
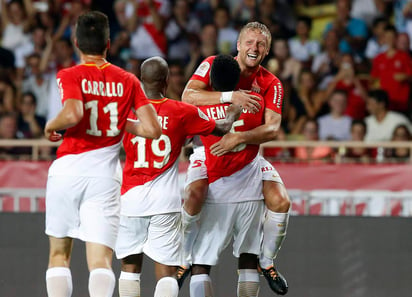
point(201, 97)
point(258, 135)
point(157, 18)
point(62, 121)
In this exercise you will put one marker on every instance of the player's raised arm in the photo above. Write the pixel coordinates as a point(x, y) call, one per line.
point(69, 116)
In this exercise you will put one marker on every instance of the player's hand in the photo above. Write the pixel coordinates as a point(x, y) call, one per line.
point(226, 144)
point(246, 100)
point(53, 136)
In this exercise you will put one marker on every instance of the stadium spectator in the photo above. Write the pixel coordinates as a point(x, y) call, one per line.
point(335, 125)
point(326, 64)
point(16, 18)
point(68, 11)
point(403, 43)
point(8, 101)
point(226, 33)
point(381, 122)
point(347, 80)
point(401, 133)
point(29, 124)
point(358, 154)
point(403, 16)
point(8, 130)
point(302, 48)
point(305, 102)
point(312, 154)
point(180, 30)
point(200, 49)
point(283, 65)
point(352, 32)
point(177, 81)
point(367, 10)
point(392, 71)
point(146, 25)
point(278, 16)
point(376, 43)
point(36, 44)
point(37, 82)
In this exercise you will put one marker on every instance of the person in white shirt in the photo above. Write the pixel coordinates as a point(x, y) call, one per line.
point(382, 122)
point(302, 48)
point(335, 125)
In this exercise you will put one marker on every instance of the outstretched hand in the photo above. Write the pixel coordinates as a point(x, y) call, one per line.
point(247, 100)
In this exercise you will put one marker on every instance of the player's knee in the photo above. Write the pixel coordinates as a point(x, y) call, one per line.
point(200, 269)
point(248, 261)
point(277, 198)
point(195, 195)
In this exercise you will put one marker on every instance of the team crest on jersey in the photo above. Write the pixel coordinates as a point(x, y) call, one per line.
point(202, 69)
point(202, 115)
point(255, 87)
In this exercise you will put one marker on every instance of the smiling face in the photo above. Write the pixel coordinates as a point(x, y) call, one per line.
point(253, 47)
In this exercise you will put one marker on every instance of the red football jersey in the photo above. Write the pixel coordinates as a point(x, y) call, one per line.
point(242, 155)
point(108, 94)
point(148, 158)
point(384, 68)
point(262, 82)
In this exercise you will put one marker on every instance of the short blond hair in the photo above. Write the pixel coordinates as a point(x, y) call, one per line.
point(256, 26)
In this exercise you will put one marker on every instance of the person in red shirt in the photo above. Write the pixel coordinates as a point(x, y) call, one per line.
point(257, 89)
point(83, 186)
point(149, 218)
point(392, 71)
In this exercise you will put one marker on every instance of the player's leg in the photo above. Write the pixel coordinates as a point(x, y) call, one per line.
point(62, 220)
point(129, 280)
point(99, 225)
point(164, 246)
point(194, 197)
point(274, 225)
point(58, 275)
point(200, 282)
point(133, 232)
point(248, 280)
point(166, 281)
point(215, 232)
point(247, 244)
point(99, 261)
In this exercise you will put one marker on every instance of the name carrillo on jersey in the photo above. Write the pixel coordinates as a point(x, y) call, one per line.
point(100, 88)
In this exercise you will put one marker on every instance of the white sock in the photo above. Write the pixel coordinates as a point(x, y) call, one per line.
point(59, 282)
point(166, 287)
point(101, 282)
point(274, 232)
point(190, 231)
point(248, 283)
point(201, 286)
point(129, 284)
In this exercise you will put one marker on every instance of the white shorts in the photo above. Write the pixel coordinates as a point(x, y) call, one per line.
point(197, 168)
point(158, 236)
point(83, 207)
point(219, 222)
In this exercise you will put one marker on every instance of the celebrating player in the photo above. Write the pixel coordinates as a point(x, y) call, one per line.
point(83, 187)
point(253, 45)
point(151, 202)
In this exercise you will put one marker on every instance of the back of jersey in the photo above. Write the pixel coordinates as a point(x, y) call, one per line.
point(146, 159)
point(108, 93)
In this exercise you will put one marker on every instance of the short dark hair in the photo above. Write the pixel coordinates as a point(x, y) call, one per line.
point(92, 32)
point(358, 122)
point(391, 28)
point(378, 20)
point(380, 96)
point(224, 73)
point(305, 19)
point(30, 94)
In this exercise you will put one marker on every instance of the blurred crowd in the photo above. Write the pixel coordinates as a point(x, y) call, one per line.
point(345, 65)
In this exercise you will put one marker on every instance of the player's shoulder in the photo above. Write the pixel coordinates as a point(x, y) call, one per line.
point(266, 75)
point(180, 106)
point(204, 67)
